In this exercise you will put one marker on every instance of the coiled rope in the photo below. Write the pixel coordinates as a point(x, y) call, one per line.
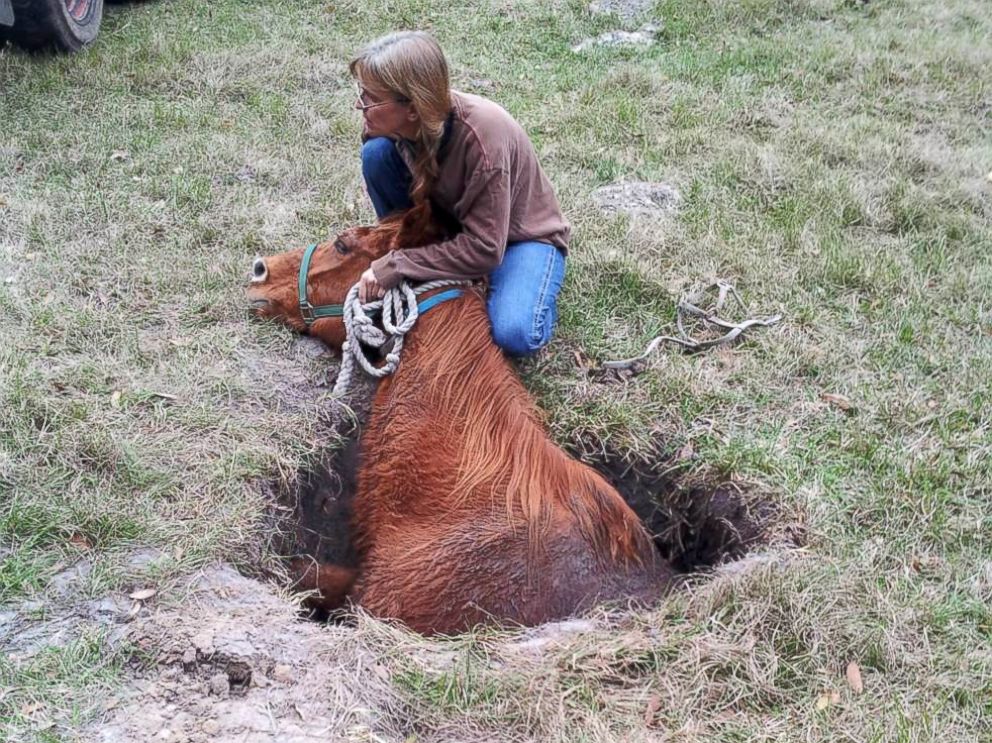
point(399, 315)
point(689, 308)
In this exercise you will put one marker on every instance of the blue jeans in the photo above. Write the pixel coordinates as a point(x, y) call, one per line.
point(523, 288)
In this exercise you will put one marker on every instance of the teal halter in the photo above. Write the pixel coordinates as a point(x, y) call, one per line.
point(311, 313)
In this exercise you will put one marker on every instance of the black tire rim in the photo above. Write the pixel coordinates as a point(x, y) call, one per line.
point(78, 9)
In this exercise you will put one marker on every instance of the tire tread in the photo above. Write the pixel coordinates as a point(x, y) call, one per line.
point(42, 24)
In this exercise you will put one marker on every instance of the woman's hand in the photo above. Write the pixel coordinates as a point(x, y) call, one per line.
point(368, 288)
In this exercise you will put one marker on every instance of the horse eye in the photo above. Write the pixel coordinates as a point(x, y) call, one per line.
point(340, 246)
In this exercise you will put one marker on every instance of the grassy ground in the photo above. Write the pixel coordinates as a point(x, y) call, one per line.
point(833, 157)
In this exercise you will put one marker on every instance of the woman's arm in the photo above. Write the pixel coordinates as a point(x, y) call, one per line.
point(474, 252)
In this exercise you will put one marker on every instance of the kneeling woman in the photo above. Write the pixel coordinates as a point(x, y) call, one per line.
point(467, 155)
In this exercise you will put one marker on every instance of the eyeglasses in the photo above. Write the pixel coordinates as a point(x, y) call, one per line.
point(362, 105)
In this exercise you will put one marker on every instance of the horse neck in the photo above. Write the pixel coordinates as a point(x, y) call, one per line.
point(488, 430)
point(451, 364)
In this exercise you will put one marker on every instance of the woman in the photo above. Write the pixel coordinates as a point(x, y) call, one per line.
point(468, 156)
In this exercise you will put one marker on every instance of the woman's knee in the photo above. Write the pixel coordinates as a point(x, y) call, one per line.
point(520, 336)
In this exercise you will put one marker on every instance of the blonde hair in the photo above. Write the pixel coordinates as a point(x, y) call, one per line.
point(411, 65)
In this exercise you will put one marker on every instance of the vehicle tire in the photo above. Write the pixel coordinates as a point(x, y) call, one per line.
point(67, 25)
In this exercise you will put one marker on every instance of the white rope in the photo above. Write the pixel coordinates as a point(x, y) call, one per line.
point(399, 314)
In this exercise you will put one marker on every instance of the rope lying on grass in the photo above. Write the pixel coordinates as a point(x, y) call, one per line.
point(688, 306)
point(399, 315)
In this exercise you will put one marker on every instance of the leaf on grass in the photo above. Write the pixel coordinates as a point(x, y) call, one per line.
point(143, 595)
point(840, 401)
point(115, 399)
point(826, 699)
point(854, 678)
point(654, 704)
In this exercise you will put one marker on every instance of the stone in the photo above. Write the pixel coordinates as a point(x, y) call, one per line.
point(218, 685)
point(637, 198)
point(282, 673)
point(189, 659)
point(645, 36)
point(204, 642)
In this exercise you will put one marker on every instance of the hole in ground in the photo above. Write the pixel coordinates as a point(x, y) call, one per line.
point(695, 525)
point(311, 518)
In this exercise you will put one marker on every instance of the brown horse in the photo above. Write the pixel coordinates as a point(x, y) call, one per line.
point(465, 511)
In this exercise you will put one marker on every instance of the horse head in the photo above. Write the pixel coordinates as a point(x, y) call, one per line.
point(334, 267)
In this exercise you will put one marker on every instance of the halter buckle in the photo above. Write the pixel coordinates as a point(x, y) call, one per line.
point(307, 309)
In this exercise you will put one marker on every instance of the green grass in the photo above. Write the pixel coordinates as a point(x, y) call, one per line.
point(832, 157)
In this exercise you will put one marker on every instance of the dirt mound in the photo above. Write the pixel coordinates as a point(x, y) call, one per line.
point(233, 663)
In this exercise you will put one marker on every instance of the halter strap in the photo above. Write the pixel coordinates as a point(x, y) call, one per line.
point(313, 313)
point(436, 299)
point(309, 312)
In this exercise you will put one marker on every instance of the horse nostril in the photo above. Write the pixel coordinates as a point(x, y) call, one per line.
point(259, 272)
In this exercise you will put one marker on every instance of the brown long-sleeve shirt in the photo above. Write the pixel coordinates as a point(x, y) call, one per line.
point(489, 179)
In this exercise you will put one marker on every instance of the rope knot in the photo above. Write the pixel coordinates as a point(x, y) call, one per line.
point(399, 314)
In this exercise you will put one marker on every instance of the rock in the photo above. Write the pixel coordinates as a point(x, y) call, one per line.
point(189, 659)
point(282, 673)
point(210, 727)
point(218, 685)
point(645, 36)
point(637, 198)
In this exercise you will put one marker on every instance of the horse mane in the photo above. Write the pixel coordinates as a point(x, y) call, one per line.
point(417, 226)
point(505, 446)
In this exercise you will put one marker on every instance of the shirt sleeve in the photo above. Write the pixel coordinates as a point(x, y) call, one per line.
point(474, 252)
